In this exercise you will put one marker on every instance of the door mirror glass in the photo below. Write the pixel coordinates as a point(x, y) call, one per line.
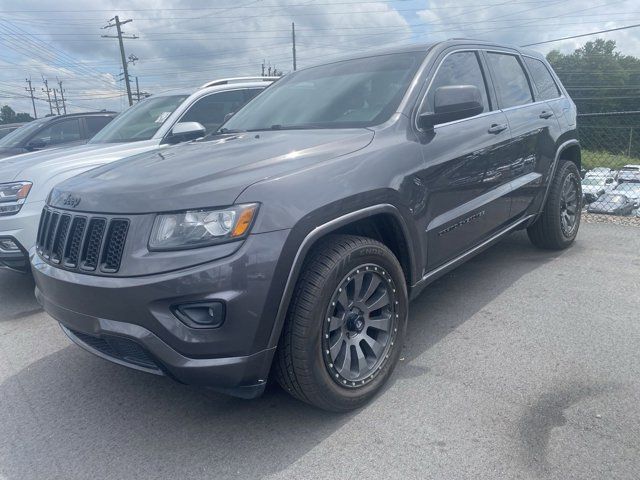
point(184, 131)
point(452, 102)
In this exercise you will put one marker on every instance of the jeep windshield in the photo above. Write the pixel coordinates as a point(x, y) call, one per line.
point(348, 94)
point(140, 122)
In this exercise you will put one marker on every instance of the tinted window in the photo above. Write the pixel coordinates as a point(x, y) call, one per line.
point(460, 68)
point(60, 132)
point(95, 124)
point(352, 93)
point(510, 79)
point(210, 111)
point(140, 122)
point(547, 88)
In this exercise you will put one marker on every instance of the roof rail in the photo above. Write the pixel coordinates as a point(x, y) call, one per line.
point(226, 81)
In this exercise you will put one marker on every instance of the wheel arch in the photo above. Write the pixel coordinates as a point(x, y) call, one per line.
point(384, 222)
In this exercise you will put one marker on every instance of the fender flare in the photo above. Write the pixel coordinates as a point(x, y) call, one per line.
point(563, 146)
point(309, 241)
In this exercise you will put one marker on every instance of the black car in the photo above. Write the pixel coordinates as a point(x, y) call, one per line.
point(55, 131)
point(7, 128)
point(612, 204)
point(295, 237)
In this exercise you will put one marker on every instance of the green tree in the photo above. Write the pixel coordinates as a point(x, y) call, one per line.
point(7, 114)
point(23, 117)
point(599, 78)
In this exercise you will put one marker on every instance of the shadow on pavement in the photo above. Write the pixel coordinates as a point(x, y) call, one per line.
point(70, 413)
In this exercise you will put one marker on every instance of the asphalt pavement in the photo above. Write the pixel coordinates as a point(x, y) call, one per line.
point(519, 364)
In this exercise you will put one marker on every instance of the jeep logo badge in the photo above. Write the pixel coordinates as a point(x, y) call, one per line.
point(71, 201)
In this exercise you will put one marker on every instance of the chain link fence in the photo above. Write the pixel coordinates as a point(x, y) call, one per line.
point(610, 162)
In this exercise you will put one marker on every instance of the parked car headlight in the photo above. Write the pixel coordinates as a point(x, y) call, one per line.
point(200, 228)
point(12, 196)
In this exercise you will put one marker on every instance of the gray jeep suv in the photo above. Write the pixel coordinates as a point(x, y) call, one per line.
point(290, 242)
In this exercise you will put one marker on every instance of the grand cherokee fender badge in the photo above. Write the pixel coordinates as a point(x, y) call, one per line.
point(450, 228)
point(71, 201)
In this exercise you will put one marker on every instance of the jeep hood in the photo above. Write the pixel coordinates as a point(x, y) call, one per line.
point(206, 173)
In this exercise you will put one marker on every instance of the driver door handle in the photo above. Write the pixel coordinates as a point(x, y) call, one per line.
point(545, 114)
point(497, 127)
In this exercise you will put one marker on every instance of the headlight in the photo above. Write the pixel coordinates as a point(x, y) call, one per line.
point(200, 228)
point(12, 196)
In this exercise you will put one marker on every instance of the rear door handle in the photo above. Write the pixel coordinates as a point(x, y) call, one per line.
point(546, 114)
point(497, 128)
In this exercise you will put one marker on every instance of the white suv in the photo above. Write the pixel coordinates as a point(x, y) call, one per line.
point(155, 123)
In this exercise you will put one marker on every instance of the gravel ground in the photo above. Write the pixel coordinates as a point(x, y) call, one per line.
point(521, 364)
point(631, 221)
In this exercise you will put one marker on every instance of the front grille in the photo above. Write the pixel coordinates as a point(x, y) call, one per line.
point(120, 348)
point(75, 241)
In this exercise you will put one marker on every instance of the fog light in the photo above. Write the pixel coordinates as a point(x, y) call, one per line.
point(201, 315)
point(8, 246)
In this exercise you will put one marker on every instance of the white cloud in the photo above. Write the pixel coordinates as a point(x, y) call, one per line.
point(184, 43)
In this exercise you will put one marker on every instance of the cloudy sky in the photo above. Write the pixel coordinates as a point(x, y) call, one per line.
point(183, 43)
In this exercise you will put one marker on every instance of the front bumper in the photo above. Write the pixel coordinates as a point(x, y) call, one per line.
point(21, 229)
point(15, 259)
point(130, 320)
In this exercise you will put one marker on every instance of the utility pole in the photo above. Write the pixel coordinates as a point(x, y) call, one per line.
point(263, 68)
point(30, 89)
point(118, 24)
point(137, 90)
point(293, 37)
point(47, 90)
point(64, 105)
point(55, 99)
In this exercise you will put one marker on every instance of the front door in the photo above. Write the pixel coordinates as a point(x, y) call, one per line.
point(464, 204)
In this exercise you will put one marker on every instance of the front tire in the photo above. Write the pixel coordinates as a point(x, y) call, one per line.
point(345, 326)
point(558, 224)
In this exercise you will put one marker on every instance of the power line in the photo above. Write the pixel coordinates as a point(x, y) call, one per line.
point(582, 35)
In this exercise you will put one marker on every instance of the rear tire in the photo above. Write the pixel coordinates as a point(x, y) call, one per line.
point(558, 224)
point(345, 325)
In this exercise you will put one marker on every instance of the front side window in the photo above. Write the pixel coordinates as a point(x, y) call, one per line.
point(546, 85)
point(348, 94)
point(510, 79)
point(210, 111)
point(460, 68)
point(60, 132)
point(140, 122)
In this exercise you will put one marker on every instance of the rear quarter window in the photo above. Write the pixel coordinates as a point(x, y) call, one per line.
point(545, 84)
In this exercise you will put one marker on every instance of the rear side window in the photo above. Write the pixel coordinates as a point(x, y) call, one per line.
point(511, 81)
point(210, 111)
point(460, 68)
point(541, 76)
point(95, 124)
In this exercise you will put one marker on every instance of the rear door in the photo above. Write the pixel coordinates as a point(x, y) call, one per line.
point(464, 205)
point(534, 130)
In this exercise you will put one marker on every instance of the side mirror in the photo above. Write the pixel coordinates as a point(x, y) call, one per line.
point(184, 131)
point(36, 144)
point(453, 102)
